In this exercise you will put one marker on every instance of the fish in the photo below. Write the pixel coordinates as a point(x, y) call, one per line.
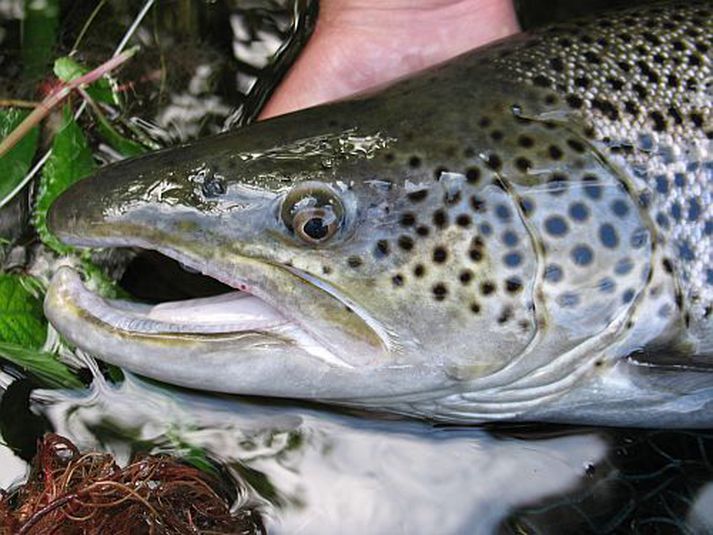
point(522, 233)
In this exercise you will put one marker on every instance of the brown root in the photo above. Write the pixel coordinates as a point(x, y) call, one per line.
point(69, 492)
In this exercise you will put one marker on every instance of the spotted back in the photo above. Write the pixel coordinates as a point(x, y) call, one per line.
point(639, 87)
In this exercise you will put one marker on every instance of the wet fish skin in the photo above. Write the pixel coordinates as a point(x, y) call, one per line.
point(518, 223)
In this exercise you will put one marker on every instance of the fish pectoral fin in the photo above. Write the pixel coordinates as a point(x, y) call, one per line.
point(671, 359)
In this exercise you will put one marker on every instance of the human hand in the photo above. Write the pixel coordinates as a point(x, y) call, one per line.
point(358, 44)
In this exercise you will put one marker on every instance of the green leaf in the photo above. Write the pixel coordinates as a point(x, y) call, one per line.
point(66, 69)
point(191, 454)
point(16, 163)
point(99, 282)
point(23, 329)
point(41, 364)
point(123, 145)
point(21, 319)
point(39, 35)
point(71, 160)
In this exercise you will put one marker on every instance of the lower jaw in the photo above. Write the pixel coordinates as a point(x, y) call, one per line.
point(226, 313)
point(231, 326)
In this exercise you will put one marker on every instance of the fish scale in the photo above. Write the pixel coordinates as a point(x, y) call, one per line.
point(643, 81)
point(522, 232)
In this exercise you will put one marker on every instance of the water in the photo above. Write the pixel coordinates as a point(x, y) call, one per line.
point(311, 469)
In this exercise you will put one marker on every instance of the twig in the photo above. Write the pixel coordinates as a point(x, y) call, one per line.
point(119, 49)
point(57, 96)
point(87, 24)
point(134, 26)
point(17, 103)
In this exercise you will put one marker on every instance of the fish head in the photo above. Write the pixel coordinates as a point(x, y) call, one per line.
point(344, 270)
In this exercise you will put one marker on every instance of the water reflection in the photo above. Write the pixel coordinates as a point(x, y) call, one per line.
point(317, 471)
point(322, 472)
point(312, 470)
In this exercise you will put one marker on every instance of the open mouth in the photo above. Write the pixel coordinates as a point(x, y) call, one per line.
point(240, 307)
point(167, 297)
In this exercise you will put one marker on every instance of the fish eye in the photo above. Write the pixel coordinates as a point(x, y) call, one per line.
point(313, 212)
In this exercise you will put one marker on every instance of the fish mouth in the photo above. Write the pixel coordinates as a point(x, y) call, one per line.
point(230, 312)
point(234, 308)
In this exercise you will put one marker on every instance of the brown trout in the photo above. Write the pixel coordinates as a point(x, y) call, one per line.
point(521, 233)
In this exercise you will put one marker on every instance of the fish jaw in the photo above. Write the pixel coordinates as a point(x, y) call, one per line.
point(271, 356)
point(298, 336)
point(181, 354)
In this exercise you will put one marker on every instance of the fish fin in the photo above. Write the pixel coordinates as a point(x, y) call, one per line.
point(672, 358)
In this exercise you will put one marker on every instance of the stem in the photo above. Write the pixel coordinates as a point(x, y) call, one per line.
point(17, 103)
point(57, 96)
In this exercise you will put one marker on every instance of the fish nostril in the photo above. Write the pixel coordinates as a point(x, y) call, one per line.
point(213, 186)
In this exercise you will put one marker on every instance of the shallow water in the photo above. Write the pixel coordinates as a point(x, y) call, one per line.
point(312, 469)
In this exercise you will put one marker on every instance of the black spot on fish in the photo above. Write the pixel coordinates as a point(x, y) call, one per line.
point(542, 81)
point(557, 185)
point(382, 249)
point(440, 291)
point(553, 273)
point(659, 121)
point(476, 255)
point(463, 220)
point(525, 141)
point(556, 226)
point(606, 107)
point(417, 196)
point(527, 206)
point(438, 172)
point(631, 108)
point(423, 230)
point(555, 152)
point(582, 81)
point(575, 145)
point(557, 64)
point(574, 101)
point(405, 242)
point(440, 254)
point(640, 90)
point(494, 162)
point(697, 119)
point(615, 83)
point(472, 175)
point(452, 197)
point(477, 204)
point(487, 288)
point(513, 285)
point(505, 315)
point(675, 115)
point(523, 164)
point(440, 218)
point(407, 220)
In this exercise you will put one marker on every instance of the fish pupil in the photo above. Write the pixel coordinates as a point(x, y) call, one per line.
point(315, 228)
